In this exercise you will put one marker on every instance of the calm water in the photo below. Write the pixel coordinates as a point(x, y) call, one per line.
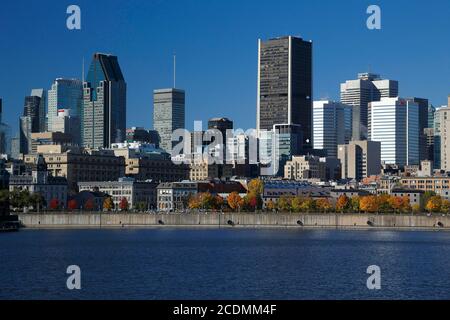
point(224, 264)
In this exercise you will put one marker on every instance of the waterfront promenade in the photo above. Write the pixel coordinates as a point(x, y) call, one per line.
point(234, 220)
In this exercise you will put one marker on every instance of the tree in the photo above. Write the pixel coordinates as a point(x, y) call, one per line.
point(324, 204)
point(37, 200)
point(342, 203)
point(296, 204)
point(89, 204)
point(271, 206)
point(218, 202)
point(397, 204)
point(416, 208)
point(308, 205)
point(369, 204)
point(54, 204)
point(72, 204)
point(123, 205)
point(445, 206)
point(256, 187)
point(284, 203)
point(384, 203)
point(140, 206)
point(194, 202)
point(235, 201)
point(434, 204)
point(108, 204)
point(355, 204)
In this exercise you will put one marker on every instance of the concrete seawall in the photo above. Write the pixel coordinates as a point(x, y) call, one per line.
point(357, 221)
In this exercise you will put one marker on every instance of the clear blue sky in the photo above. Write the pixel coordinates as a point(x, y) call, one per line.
point(216, 46)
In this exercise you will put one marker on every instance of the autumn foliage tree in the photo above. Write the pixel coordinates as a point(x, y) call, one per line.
point(89, 205)
point(54, 204)
point(324, 205)
point(235, 201)
point(369, 204)
point(434, 204)
point(72, 204)
point(108, 204)
point(342, 203)
point(123, 205)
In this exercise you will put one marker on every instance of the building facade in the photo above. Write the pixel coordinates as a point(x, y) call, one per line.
point(103, 119)
point(168, 115)
point(174, 196)
point(332, 126)
point(135, 192)
point(360, 159)
point(394, 122)
point(358, 93)
point(64, 94)
point(285, 84)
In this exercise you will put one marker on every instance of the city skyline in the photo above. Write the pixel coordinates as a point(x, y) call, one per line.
point(330, 67)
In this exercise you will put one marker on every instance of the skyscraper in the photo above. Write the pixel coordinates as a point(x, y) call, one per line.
point(360, 159)
point(332, 125)
point(30, 122)
point(5, 134)
point(423, 123)
point(64, 94)
point(42, 94)
point(285, 84)
point(395, 123)
point(168, 114)
point(104, 103)
point(358, 93)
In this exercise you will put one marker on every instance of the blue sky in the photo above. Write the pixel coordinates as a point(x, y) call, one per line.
point(216, 46)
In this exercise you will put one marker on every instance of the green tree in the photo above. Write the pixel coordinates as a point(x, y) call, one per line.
point(284, 203)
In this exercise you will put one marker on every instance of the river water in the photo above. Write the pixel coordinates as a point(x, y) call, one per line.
point(224, 264)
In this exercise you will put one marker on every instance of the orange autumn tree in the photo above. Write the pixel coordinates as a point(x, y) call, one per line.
point(342, 203)
point(235, 201)
point(434, 204)
point(72, 204)
point(324, 205)
point(369, 204)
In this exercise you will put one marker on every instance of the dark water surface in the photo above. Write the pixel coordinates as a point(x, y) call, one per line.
point(224, 264)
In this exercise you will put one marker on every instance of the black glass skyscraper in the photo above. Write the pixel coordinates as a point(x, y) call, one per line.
point(285, 84)
point(104, 103)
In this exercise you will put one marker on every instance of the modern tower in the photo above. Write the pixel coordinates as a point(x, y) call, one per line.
point(29, 122)
point(423, 124)
point(64, 94)
point(358, 93)
point(332, 126)
point(5, 132)
point(104, 103)
point(42, 94)
point(395, 123)
point(168, 114)
point(285, 84)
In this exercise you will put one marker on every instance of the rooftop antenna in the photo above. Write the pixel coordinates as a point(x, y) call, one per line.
point(174, 70)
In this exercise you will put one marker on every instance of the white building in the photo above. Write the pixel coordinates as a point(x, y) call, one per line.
point(332, 125)
point(135, 192)
point(394, 122)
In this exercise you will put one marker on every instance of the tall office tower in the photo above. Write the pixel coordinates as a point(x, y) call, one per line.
point(64, 94)
point(285, 84)
point(168, 114)
point(423, 123)
point(358, 93)
point(395, 123)
point(29, 122)
point(442, 139)
point(103, 119)
point(360, 159)
point(42, 94)
point(332, 125)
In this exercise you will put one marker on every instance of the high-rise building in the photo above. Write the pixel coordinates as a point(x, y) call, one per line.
point(423, 123)
point(395, 123)
point(29, 122)
point(442, 139)
point(360, 159)
point(285, 84)
point(358, 93)
point(221, 125)
point(64, 94)
point(103, 119)
point(431, 111)
point(137, 134)
point(42, 94)
point(168, 114)
point(332, 125)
